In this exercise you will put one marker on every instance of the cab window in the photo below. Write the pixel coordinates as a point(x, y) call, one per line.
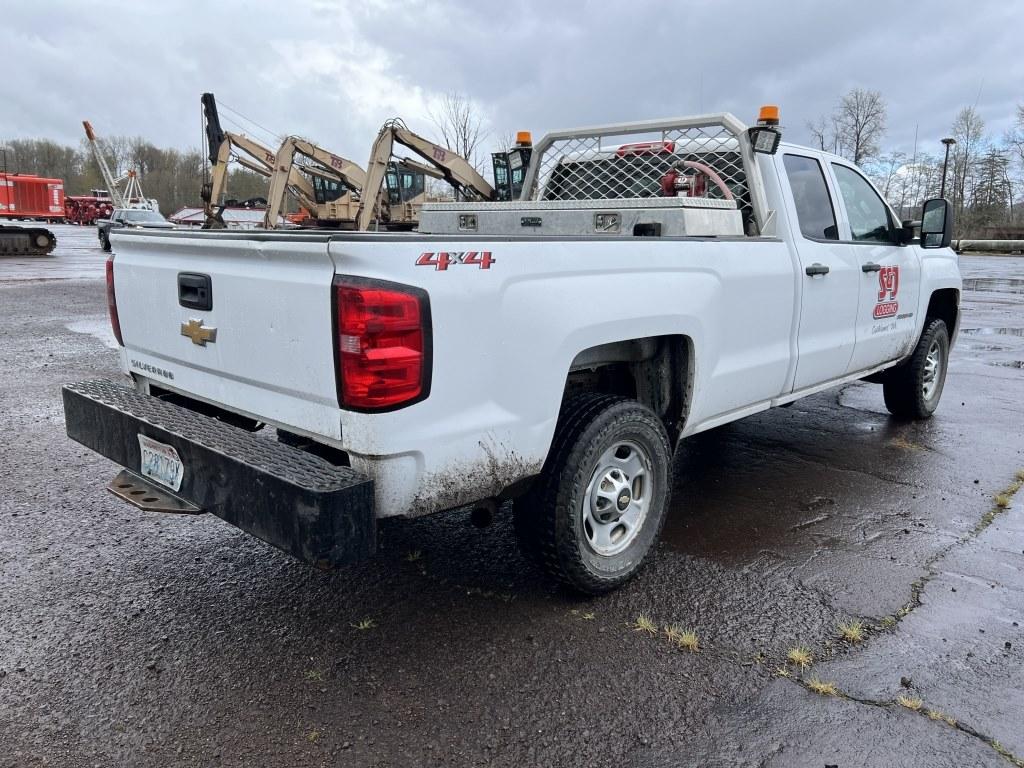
point(814, 209)
point(868, 215)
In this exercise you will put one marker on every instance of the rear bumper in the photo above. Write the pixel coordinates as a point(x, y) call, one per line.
point(298, 502)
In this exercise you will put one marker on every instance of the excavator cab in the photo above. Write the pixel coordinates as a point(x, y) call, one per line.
point(404, 185)
point(327, 190)
point(510, 167)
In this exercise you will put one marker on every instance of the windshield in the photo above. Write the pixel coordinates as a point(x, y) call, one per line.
point(143, 216)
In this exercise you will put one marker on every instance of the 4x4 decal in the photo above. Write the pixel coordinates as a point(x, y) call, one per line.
point(441, 261)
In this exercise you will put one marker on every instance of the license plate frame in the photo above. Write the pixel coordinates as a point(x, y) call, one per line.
point(160, 463)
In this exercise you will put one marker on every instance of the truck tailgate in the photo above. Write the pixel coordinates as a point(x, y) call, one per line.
point(272, 355)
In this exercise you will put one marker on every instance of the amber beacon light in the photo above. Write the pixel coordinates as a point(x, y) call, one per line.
point(765, 136)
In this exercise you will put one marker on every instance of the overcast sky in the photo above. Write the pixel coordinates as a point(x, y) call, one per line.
point(334, 71)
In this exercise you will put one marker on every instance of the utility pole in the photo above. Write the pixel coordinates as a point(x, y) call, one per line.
point(7, 181)
point(949, 143)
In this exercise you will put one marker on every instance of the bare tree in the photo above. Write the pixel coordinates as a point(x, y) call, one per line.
point(969, 132)
point(823, 131)
point(460, 125)
point(860, 124)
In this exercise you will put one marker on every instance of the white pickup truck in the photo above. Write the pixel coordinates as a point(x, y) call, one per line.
point(654, 280)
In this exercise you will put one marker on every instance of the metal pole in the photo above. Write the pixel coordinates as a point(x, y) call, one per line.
point(945, 163)
point(7, 181)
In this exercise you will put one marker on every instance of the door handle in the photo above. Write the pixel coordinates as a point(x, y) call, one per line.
point(816, 269)
point(870, 267)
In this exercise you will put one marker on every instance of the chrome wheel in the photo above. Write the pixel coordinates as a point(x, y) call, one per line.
point(617, 498)
point(932, 370)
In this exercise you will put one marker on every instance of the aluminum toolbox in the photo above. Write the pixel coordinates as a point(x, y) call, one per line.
point(650, 217)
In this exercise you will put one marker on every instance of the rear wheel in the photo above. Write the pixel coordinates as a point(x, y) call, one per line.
point(913, 390)
point(105, 242)
point(599, 504)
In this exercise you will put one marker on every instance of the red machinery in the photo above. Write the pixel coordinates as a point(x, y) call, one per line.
point(24, 196)
point(85, 209)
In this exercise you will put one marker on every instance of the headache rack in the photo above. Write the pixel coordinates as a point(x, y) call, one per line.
point(609, 180)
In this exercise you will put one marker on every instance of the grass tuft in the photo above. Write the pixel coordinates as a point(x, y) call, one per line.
point(1020, 475)
point(314, 675)
point(783, 672)
point(313, 736)
point(1002, 500)
point(852, 631)
point(364, 624)
point(415, 555)
point(822, 687)
point(800, 657)
point(688, 641)
point(644, 624)
point(910, 702)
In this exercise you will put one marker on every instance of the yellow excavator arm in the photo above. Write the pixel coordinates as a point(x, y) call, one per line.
point(444, 163)
point(325, 163)
point(262, 162)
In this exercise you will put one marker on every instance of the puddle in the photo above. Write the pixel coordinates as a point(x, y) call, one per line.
point(989, 347)
point(993, 331)
point(98, 328)
point(1000, 284)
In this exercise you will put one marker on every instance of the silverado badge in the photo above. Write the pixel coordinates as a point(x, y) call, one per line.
point(199, 335)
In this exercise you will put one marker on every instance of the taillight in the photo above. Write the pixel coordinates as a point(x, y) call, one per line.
point(115, 323)
point(382, 340)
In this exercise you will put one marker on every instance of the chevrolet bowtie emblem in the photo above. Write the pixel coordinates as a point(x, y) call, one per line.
point(194, 330)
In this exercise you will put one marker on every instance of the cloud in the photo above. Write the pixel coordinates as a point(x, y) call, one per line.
point(334, 71)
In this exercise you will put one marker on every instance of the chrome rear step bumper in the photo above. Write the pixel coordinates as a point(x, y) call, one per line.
point(300, 503)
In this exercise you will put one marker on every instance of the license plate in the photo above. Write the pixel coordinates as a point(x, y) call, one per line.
point(161, 463)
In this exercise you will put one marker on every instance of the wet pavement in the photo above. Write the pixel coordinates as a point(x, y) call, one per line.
point(132, 639)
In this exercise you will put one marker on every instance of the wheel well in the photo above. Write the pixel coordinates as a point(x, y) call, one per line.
point(944, 305)
point(656, 371)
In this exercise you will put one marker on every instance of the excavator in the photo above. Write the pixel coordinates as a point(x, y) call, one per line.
point(336, 183)
point(404, 200)
point(315, 188)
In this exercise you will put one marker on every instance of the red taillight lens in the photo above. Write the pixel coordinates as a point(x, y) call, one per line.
point(382, 339)
point(115, 323)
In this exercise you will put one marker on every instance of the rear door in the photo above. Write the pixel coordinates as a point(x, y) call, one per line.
point(829, 273)
point(890, 274)
point(263, 343)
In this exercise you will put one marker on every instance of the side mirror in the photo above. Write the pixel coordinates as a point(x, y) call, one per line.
point(936, 223)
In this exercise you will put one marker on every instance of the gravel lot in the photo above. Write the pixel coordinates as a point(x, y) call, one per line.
point(134, 639)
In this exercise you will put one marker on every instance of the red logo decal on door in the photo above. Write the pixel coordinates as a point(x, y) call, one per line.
point(888, 287)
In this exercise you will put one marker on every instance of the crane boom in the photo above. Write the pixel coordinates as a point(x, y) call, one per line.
point(454, 169)
point(101, 161)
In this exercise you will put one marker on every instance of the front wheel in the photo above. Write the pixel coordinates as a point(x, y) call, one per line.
point(105, 243)
point(600, 502)
point(913, 390)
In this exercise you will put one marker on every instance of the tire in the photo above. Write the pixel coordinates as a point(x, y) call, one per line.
point(600, 501)
point(913, 389)
point(105, 243)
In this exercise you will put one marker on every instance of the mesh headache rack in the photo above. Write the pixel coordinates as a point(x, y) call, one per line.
point(683, 176)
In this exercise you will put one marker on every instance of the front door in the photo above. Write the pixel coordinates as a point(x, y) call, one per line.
point(829, 272)
point(890, 274)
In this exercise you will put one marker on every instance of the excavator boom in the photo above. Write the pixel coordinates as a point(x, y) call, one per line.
point(326, 164)
point(454, 169)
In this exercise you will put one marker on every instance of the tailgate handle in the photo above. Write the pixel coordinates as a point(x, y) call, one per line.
point(195, 291)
